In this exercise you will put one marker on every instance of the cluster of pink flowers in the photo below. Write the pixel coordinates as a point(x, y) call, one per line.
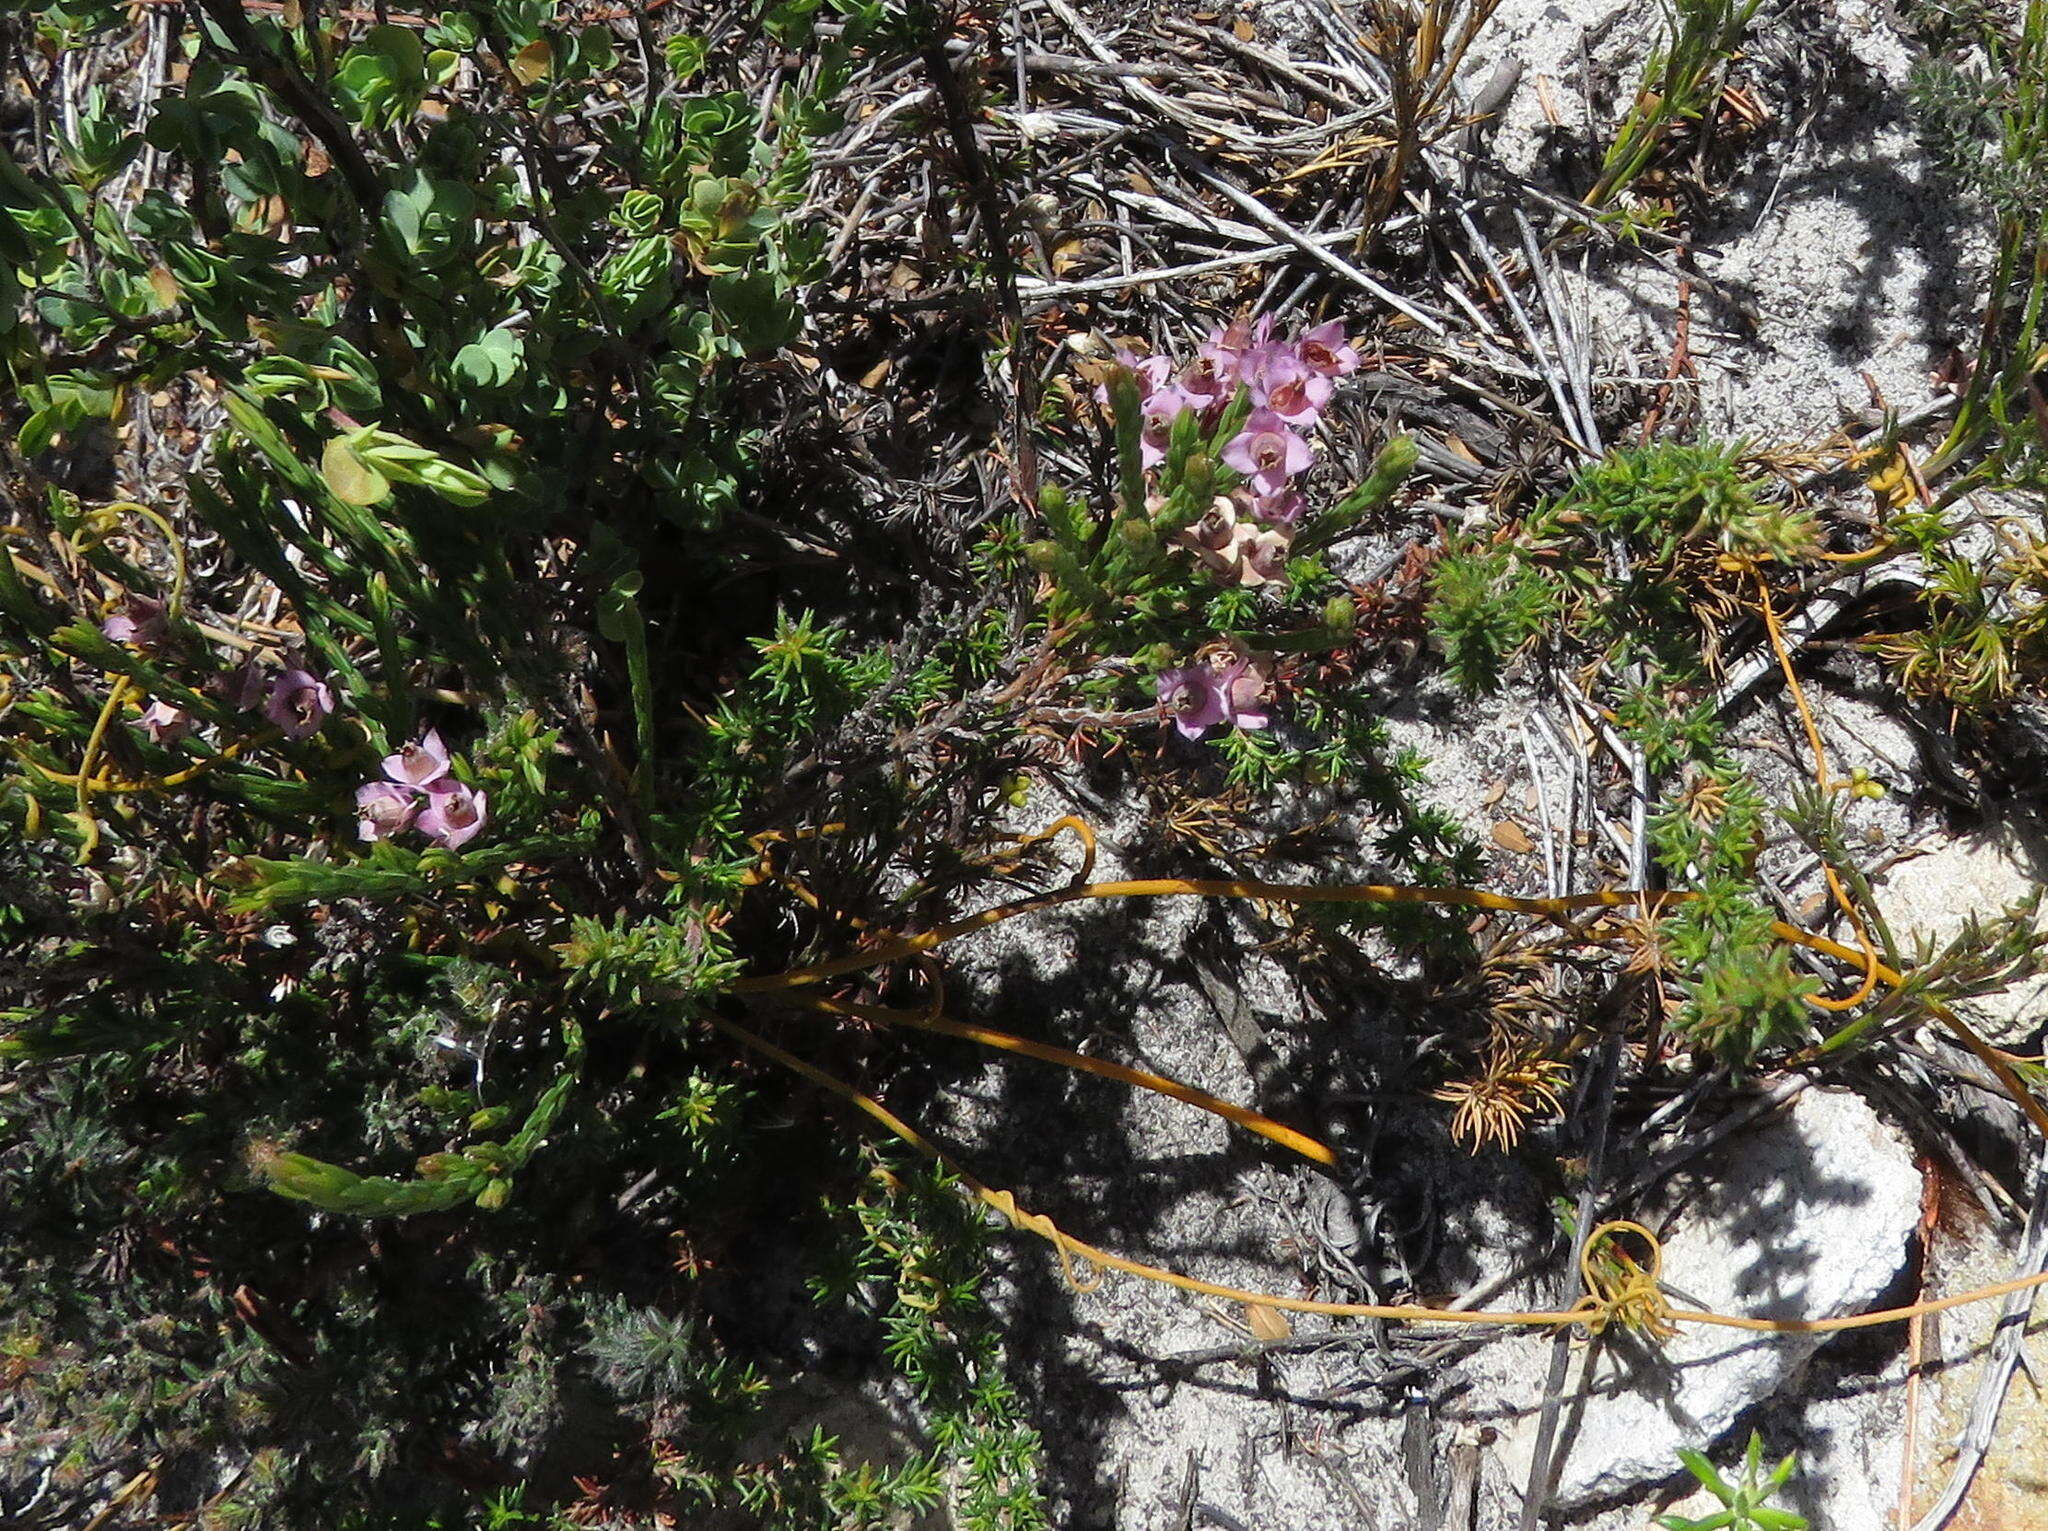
point(418, 792)
point(295, 699)
point(1245, 536)
point(1226, 684)
point(144, 623)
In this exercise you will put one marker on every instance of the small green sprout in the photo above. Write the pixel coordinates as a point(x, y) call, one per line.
point(1742, 1505)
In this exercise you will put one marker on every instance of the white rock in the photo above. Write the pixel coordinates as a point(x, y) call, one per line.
point(1928, 898)
point(1807, 1216)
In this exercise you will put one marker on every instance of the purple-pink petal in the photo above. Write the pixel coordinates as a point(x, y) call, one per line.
point(1231, 340)
point(1237, 453)
point(1210, 379)
point(299, 702)
point(1193, 699)
point(140, 621)
point(383, 809)
point(1284, 509)
point(1243, 685)
point(1291, 391)
point(419, 764)
point(1154, 374)
point(1262, 558)
point(1154, 442)
point(1153, 371)
point(164, 723)
point(1246, 701)
point(454, 813)
point(1325, 349)
point(1267, 452)
point(1261, 364)
point(1166, 404)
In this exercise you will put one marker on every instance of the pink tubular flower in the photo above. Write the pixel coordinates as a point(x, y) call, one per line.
point(1244, 692)
point(1159, 402)
point(1242, 551)
point(1325, 350)
point(1193, 699)
point(140, 621)
point(453, 815)
point(1288, 388)
point(1242, 677)
point(1155, 439)
point(1283, 510)
point(1154, 375)
point(1167, 404)
point(1209, 381)
point(1246, 353)
point(1246, 695)
point(164, 723)
point(299, 702)
point(1248, 701)
point(1212, 533)
point(420, 764)
point(1260, 368)
point(1226, 684)
point(1267, 452)
point(383, 809)
point(1155, 442)
point(1261, 557)
point(1237, 337)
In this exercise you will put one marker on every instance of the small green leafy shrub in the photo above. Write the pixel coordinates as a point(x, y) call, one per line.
point(1741, 993)
point(1210, 459)
point(391, 690)
point(1743, 1504)
point(1633, 563)
point(1629, 571)
point(1487, 603)
point(1682, 83)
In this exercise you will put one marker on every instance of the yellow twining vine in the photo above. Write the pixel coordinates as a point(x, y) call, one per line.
point(1632, 1299)
point(97, 525)
point(1619, 1288)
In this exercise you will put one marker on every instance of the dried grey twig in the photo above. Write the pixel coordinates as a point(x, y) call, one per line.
point(2007, 1344)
